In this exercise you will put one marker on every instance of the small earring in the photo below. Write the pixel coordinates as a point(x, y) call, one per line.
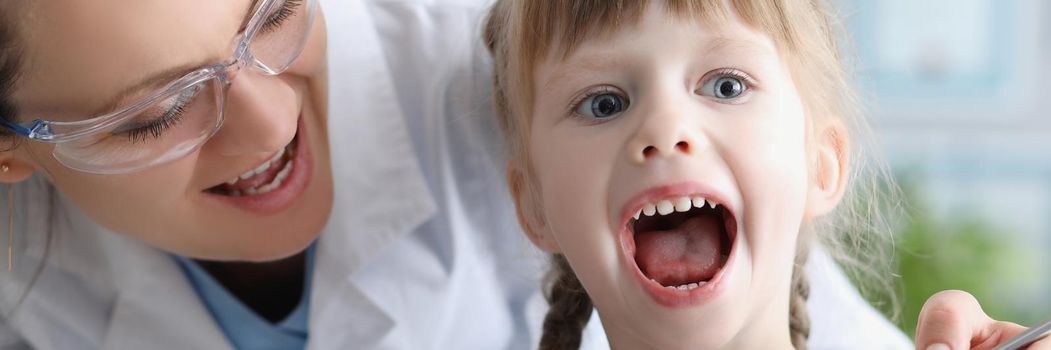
point(10, 217)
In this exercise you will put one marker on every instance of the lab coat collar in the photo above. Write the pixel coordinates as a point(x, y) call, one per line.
point(93, 275)
point(380, 192)
point(148, 314)
point(154, 307)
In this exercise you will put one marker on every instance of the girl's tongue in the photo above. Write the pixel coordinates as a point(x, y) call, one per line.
point(688, 253)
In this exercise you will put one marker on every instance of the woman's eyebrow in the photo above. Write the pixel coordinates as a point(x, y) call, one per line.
point(150, 81)
point(170, 74)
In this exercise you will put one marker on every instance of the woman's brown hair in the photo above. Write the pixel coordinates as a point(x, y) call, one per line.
point(10, 67)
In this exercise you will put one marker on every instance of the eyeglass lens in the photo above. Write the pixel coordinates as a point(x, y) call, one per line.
point(178, 124)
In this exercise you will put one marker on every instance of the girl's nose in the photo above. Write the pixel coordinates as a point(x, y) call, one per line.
point(262, 115)
point(662, 134)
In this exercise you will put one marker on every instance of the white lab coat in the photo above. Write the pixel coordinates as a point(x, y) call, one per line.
point(422, 250)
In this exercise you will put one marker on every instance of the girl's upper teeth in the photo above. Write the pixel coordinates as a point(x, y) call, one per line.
point(668, 206)
point(649, 209)
point(683, 204)
point(665, 207)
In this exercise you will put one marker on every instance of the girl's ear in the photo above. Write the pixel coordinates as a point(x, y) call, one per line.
point(14, 169)
point(831, 166)
point(528, 208)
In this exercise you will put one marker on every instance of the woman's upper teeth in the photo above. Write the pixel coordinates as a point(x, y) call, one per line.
point(274, 160)
point(668, 206)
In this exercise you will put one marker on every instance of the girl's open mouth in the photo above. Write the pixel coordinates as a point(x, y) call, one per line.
point(680, 246)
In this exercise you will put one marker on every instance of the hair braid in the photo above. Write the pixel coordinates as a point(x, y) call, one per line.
point(798, 319)
point(570, 309)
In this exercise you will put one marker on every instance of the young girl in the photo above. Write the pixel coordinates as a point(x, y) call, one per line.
point(678, 158)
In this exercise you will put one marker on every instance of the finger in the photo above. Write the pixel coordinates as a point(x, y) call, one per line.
point(950, 318)
point(995, 333)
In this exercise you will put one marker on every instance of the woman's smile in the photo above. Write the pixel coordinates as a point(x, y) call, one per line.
point(274, 185)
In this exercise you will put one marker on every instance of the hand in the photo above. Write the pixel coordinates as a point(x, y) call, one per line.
point(953, 320)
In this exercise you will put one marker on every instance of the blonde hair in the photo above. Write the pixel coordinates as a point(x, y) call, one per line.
point(520, 34)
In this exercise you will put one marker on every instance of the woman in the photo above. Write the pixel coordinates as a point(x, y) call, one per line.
point(175, 210)
point(391, 269)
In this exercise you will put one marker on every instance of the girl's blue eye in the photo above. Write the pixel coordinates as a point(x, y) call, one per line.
point(724, 88)
point(728, 87)
point(602, 106)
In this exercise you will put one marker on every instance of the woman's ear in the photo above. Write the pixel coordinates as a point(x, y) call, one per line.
point(830, 167)
point(529, 211)
point(14, 169)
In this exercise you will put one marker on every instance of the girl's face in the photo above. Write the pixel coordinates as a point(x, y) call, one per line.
point(668, 117)
point(79, 55)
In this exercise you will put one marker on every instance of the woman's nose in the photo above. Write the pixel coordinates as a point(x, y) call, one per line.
point(261, 115)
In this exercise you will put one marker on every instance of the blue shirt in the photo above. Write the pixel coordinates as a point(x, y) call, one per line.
point(245, 329)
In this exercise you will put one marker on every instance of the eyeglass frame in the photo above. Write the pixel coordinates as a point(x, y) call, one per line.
point(41, 130)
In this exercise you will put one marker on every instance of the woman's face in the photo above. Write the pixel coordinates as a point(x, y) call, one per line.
point(79, 55)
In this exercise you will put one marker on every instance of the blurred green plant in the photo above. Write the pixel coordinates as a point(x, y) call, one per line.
point(964, 252)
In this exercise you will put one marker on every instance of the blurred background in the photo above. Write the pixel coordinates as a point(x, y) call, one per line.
point(958, 93)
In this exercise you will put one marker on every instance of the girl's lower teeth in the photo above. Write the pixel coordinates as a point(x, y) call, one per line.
point(686, 287)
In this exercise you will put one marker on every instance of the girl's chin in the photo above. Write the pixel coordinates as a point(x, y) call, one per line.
point(683, 336)
point(725, 324)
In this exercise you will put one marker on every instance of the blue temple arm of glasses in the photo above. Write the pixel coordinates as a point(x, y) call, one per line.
point(38, 129)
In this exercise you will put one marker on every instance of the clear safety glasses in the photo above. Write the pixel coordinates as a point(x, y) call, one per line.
point(177, 119)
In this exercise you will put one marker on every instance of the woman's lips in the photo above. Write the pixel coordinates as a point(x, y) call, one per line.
point(294, 184)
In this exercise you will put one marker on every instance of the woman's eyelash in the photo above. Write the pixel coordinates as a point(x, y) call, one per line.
point(287, 10)
point(155, 129)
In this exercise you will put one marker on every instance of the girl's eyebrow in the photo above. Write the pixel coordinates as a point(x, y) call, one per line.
point(579, 66)
point(722, 44)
